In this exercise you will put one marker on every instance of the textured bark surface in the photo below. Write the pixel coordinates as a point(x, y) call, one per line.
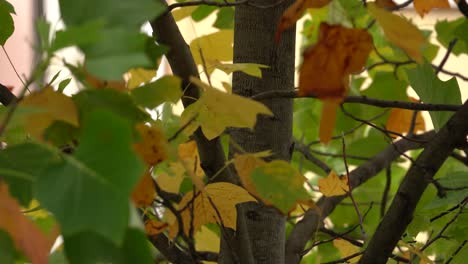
point(260, 235)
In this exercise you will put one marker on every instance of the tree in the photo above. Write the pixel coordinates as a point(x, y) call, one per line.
point(231, 167)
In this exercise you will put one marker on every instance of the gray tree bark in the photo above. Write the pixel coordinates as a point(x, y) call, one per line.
point(260, 235)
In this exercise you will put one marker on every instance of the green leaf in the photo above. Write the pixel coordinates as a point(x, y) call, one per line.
point(90, 191)
point(63, 84)
point(61, 133)
point(162, 90)
point(58, 257)
point(225, 18)
point(121, 104)
point(114, 66)
point(6, 21)
point(280, 183)
point(431, 89)
point(83, 34)
point(92, 248)
point(202, 12)
point(448, 30)
point(19, 167)
point(461, 32)
point(43, 30)
point(130, 14)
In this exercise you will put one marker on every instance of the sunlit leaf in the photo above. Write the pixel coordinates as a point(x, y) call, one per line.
point(424, 6)
point(333, 185)
point(144, 192)
point(216, 110)
point(279, 184)
point(215, 198)
point(400, 32)
point(294, 12)
point(252, 69)
point(140, 76)
point(216, 46)
point(19, 227)
point(400, 121)
point(51, 106)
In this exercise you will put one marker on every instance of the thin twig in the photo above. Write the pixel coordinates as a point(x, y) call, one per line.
point(450, 47)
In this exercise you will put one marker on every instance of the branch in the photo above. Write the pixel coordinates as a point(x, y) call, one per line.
point(306, 228)
point(166, 31)
point(6, 96)
point(364, 100)
point(170, 251)
point(420, 174)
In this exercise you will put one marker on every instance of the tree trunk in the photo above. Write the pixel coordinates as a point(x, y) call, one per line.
point(260, 235)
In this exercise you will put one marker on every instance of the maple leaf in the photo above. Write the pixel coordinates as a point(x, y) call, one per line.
point(52, 106)
point(154, 227)
point(347, 249)
point(279, 184)
point(215, 204)
point(424, 6)
point(245, 164)
point(294, 13)
point(333, 185)
point(214, 47)
point(171, 183)
point(188, 154)
point(216, 110)
point(100, 84)
point(386, 4)
point(399, 31)
point(207, 240)
point(252, 69)
point(400, 120)
point(140, 76)
point(327, 65)
point(144, 192)
point(153, 146)
point(26, 236)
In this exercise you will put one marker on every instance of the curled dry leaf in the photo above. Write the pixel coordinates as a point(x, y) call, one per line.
point(294, 13)
point(333, 185)
point(425, 6)
point(327, 65)
point(153, 145)
point(144, 192)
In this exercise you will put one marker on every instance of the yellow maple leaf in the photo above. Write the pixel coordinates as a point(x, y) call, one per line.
point(424, 6)
point(183, 12)
point(252, 69)
point(294, 13)
point(140, 76)
point(170, 183)
point(216, 110)
point(399, 31)
point(144, 192)
point(346, 249)
point(26, 236)
point(52, 106)
point(153, 146)
point(333, 185)
point(245, 164)
point(190, 158)
point(207, 240)
point(215, 47)
point(222, 196)
point(327, 65)
point(400, 120)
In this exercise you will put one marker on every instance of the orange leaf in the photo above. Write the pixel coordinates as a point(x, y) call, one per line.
point(144, 193)
point(188, 154)
point(245, 164)
point(294, 12)
point(326, 68)
point(424, 6)
point(26, 236)
point(400, 120)
point(152, 148)
point(154, 227)
point(333, 185)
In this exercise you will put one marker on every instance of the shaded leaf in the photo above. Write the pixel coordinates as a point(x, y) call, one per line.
point(154, 227)
point(183, 12)
point(279, 184)
point(333, 185)
point(165, 89)
point(224, 18)
point(216, 110)
point(386, 4)
point(446, 31)
point(399, 31)
point(144, 192)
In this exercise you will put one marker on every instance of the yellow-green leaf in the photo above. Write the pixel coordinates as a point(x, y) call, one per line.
point(252, 69)
point(140, 76)
point(216, 110)
point(214, 47)
point(346, 249)
point(399, 31)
